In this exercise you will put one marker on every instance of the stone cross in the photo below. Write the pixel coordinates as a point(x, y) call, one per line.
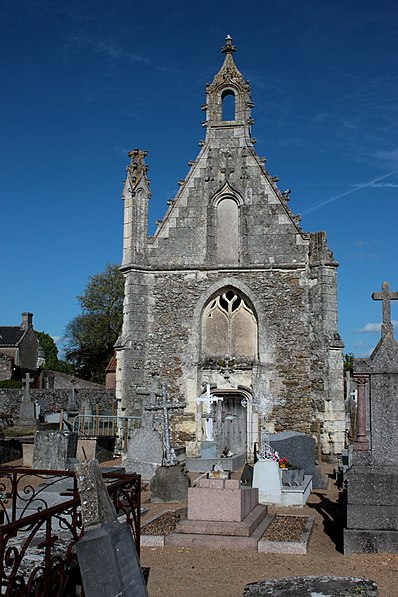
point(26, 390)
point(169, 458)
point(27, 408)
point(208, 400)
point(386, 296)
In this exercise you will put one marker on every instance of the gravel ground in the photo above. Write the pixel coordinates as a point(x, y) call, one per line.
point(285, 528)
point(176, 572)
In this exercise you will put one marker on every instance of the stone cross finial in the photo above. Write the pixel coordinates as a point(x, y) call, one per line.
point(386, 296)
point(228, 48)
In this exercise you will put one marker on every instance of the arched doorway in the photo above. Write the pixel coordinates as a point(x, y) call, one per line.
point(232, 422)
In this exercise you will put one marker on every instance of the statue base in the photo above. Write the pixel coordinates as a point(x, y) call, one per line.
point(208, 449)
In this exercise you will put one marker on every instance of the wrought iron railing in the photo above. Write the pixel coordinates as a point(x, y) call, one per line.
point(37, 542)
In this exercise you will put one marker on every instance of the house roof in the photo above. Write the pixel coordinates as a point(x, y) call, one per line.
point(111, 368)
point(10, 335)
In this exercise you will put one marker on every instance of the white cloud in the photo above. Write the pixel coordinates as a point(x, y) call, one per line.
point(375, 327)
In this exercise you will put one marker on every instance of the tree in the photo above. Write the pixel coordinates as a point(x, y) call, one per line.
point(51, 354)
point(91, 336)
point(50, 350)
point(349, 361)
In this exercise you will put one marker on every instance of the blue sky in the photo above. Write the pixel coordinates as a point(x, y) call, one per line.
point(84, 82)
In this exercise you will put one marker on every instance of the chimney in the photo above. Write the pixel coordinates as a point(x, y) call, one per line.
point(26, 321)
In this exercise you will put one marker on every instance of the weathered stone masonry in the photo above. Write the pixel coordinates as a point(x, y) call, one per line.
point(230, 291)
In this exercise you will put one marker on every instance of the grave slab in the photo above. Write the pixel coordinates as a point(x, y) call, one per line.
point(309, 586)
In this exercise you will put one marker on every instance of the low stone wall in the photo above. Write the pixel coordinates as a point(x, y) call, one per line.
point(55, 400)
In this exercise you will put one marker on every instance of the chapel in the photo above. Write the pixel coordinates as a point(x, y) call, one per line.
point(231, 292)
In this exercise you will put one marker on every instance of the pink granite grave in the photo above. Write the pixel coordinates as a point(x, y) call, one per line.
point(221, 515)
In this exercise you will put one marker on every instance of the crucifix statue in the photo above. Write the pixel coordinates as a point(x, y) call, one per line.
point(208, 400)
point(169, 457)
point(386, 296)
point(266, 405)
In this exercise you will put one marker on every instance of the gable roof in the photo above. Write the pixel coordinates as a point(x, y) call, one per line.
point(11, 335)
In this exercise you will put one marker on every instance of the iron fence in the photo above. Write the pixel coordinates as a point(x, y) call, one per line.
point(37, 541)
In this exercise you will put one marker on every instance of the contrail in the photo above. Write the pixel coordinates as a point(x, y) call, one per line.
point(354, 190)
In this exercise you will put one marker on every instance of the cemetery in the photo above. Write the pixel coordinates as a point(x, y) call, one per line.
point(70, 524)
point(228, 460)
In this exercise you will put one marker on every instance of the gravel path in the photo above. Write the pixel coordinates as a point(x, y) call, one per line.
point(190, 572)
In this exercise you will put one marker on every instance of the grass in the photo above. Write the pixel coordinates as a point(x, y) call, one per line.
point(19, 431)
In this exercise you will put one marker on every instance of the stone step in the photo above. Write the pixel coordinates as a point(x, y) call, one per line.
point(219, 542)
point(242, 529)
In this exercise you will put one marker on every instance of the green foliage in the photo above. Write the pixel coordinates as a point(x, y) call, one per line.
point(10, 383)
point(91, 336)
point(51, 354)
point(19, 431)
point(349, 361)
point(50, 350)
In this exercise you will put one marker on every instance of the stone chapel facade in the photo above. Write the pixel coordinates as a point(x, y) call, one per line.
point(229, 291)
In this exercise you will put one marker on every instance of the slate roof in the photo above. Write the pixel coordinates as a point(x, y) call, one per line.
point(10, 335)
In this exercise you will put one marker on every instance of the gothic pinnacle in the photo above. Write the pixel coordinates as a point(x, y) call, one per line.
point(228, 48)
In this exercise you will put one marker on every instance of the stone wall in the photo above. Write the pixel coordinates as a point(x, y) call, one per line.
point(55, 400)
point(5, 367)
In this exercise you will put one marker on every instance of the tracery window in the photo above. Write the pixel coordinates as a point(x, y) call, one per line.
point(229, 327)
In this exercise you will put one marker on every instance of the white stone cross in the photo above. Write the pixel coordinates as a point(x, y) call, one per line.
point(208, 400)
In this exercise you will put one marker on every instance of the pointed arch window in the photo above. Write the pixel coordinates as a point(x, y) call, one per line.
point(229, 327)
point(228, 105)
point(227, 232)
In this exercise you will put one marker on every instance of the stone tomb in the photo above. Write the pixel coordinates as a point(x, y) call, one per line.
point(372, 481)
point(267, 477)
point(221, 515)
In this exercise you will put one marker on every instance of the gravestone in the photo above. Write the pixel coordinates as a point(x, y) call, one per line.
point(27, 408)
point(297, 448)
point(55, 450)
point(144, 453)
point(170, 484)
point(372, 481)
point(107, 555)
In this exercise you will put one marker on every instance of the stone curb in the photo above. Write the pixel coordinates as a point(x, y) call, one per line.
point(289, 547)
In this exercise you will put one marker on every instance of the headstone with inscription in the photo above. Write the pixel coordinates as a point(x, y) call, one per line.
point(107, 555)
point(372, 481)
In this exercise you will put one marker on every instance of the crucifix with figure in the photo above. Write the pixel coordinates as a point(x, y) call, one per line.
point(208, 399)
point(386, 296)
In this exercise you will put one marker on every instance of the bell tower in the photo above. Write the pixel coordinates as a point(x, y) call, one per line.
point(228, 86)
